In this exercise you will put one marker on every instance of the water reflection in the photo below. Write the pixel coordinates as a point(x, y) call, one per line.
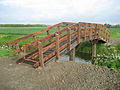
point(65, 58)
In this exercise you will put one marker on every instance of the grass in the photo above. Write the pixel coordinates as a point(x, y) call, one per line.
point(8, 34)
point(19, 30)
point(115, 32)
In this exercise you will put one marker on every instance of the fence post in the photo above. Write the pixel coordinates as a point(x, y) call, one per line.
point(40, 52)
point(57, 46)
point(17, 47)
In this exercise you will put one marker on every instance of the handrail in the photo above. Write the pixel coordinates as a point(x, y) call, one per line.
point(75, 32)
point(35, 33)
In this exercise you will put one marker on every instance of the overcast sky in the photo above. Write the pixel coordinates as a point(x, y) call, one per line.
point(55, 11)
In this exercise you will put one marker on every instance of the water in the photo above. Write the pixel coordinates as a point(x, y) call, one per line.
point(65, 58)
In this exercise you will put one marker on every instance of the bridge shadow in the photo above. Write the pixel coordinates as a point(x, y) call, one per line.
point(84, 55)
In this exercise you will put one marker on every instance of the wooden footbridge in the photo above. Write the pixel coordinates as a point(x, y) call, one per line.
point(58, 40)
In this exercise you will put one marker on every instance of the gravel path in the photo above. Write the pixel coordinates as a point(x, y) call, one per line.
point(61, 75)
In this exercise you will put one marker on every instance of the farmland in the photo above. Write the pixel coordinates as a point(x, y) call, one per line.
point(11, 33)
point(19, 30)
point(115, 32)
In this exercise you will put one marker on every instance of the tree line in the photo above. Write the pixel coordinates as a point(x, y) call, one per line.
point(112, 26)
point(23, 25)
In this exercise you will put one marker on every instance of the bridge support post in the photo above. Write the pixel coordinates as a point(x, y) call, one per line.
point(93, 51)
point(40, 51)
point(72, 55)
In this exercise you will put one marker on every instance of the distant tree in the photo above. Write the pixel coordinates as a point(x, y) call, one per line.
point(107, 25)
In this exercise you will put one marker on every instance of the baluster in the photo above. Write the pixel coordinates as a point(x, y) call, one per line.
point(85, 31)
point(78, 30)
point(57, 46)
point(40, 51)
point(69, 39)
point(91, 31)
point(48, 33)
point(34, 37)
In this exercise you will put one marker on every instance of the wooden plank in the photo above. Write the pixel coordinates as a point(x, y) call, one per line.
point(48, 47)
point(16, 51)
point(49, 56)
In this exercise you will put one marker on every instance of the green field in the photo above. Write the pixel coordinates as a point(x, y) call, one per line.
point(115, 32)
point(8, 34)
point(19, 30)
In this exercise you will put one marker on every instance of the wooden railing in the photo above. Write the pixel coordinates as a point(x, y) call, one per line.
point(64, 37)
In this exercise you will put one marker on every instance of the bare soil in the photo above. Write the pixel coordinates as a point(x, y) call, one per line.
point(61, 75)
point(115, 41)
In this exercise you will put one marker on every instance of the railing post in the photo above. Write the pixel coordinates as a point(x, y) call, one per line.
point(78, 30)
point(57, 47)
point(58, 28)
point(50, 37)
point(96, 31)
point(17, 47)
point(91, 32)
point(85, 31)
point(34, 37)
point(40, 52)
point(69, 39)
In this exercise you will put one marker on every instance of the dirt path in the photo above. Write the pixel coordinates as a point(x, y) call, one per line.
point(62, 75)
point(115, 41)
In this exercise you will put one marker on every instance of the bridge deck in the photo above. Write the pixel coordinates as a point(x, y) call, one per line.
point(57, 43)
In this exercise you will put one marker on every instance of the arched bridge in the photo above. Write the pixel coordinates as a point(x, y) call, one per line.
point(49, 44)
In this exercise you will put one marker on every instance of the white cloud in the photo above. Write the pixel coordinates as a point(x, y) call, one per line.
point(54, 9)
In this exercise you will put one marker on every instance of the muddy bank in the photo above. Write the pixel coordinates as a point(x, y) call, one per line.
point(62, 75)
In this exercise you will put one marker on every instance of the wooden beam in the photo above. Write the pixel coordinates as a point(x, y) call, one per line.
point(69, 38)
point(50, 39)
point(72, 55)
point(78, 30)
point(40, 51)
point(94, 50)
point(57, 46)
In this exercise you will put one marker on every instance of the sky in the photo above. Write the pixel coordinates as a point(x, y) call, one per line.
point(55, 11)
